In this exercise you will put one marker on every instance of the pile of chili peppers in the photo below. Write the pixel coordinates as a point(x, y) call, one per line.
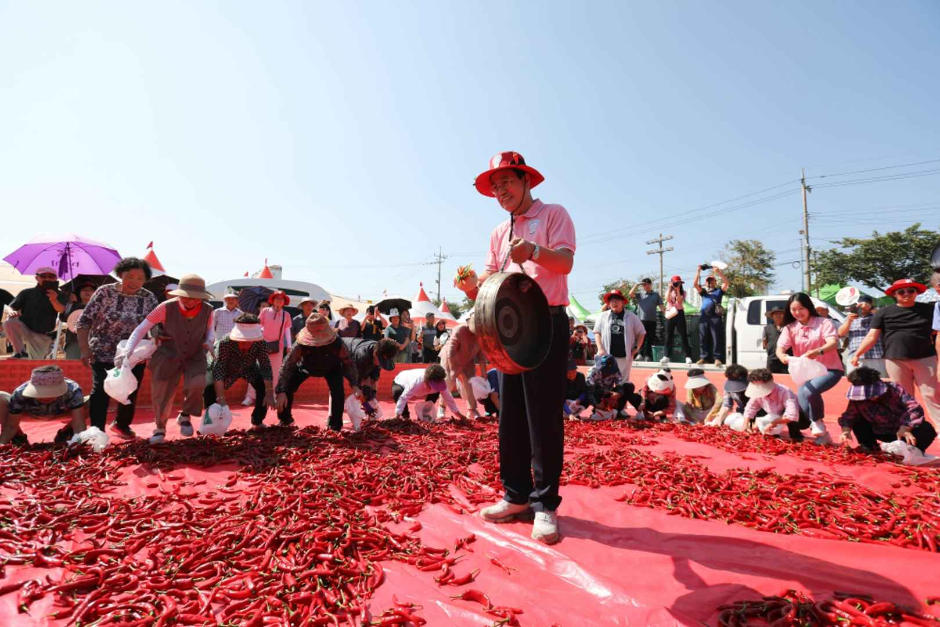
point(791, 607)
point(297, 533)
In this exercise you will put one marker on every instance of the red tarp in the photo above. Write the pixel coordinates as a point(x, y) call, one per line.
point(616, 564)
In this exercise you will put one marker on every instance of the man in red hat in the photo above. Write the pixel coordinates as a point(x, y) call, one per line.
point(538, 239)
point(619, 333)
point(910, 355)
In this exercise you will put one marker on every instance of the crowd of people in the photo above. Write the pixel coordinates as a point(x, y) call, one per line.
point(186, 342)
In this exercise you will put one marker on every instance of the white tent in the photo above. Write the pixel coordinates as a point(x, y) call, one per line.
point(421, 306)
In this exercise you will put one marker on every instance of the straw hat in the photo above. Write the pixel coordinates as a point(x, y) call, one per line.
point(317, 332)
point(46, 382)
point(354, 310)
point(191, 286)
point(247, 332)
point(696, 379)
point(758, 389)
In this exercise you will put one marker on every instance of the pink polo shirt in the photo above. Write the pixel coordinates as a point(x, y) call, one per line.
point(804, 338)
point(550, 227)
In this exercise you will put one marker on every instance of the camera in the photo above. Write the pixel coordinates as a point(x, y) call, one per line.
point(50, 285)
point(705, 266)
point(853, 309)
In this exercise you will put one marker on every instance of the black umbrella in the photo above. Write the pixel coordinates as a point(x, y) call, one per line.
point(393, 302)
point(95, 279)
point(250, 299)
point(158, 284)
point(935, 258)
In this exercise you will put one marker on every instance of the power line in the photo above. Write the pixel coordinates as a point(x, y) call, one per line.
point(889, 167)
point(877, 179)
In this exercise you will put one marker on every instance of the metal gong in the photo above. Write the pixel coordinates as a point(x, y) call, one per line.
point(512, 322)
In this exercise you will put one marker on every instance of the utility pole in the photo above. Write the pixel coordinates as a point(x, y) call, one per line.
point(439, 259)
point(802, 265)
point(660, 251)
point(807, 250)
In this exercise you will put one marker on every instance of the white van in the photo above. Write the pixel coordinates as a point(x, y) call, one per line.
point(746, 318)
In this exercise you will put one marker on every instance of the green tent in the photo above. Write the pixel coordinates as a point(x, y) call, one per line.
point(575, 309)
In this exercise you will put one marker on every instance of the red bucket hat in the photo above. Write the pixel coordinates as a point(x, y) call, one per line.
point(613, 293)
point(920, 287)
point(506, 161)
point(281, 294)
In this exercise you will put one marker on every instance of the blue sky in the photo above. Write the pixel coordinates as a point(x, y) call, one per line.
point(340, 139)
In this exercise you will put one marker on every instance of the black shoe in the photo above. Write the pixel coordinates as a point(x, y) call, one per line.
point(20, 355)
point(64, 435)
point(287, 421)
point(20, 439)
point(335, 427)
point(123, 432)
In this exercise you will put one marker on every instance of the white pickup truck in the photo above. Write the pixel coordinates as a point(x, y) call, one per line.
point(745, 319)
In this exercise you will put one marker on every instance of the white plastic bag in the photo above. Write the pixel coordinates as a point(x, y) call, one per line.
point(98, 439)
point(481, 388)
point(736, 422)
point(144, 351)
point(803, 369)
point(121, 383)
point(910, 455)
point(353, 407)
point(216, 420)
point(601, 414)
point(764, 425)
point(574, 408)
point(671, 312)
point(425, 411)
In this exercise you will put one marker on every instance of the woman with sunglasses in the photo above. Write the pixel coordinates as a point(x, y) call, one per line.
point(910, 356)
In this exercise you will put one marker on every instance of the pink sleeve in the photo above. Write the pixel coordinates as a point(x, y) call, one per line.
point(829, 329)
point(784, 340)
point(491, 264)
point(791, 407)
point(561, 230)
point(158, 315)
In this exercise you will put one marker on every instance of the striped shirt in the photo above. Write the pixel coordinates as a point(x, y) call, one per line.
point(223, 320)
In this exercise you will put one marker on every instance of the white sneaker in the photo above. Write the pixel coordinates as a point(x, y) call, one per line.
point(504, 511)
point(688, 361)
point(823, 440)
point(441, 413)
point(158, 436)
point(545, 528)
point(475, 415)
point(186, 428)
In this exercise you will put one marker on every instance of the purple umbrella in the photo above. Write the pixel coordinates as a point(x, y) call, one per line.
point(69, 254)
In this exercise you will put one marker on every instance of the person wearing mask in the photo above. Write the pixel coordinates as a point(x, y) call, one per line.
point(910, 352)
point(675, 319)
point(880, 411)
point(648, 302)
point(346, 327)
point(428, 334)
point(538, 239)
point(711, 330)
point(373, 326)
point(856, 326)
point(111, 315)
point(48, 395)
point(32, 321)
point(183, 343)
point(241, 354)
point(618, 332)
point(811, 336)
point(400, 334)
point(73, 311)
point(223, 318)
point(299, 321)
point(319, 352)
point(769, 337)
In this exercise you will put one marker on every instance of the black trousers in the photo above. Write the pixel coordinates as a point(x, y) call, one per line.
point(711, 335)
point(674, 324)
point(794, 428)
point(924, 433)
point(532, 426)
point(99, 401)
point(489, 406)
point(334, 380)
point(430, 356)
point(627, 393)
point(398, 390)
point(647, 349)
point(258, 413)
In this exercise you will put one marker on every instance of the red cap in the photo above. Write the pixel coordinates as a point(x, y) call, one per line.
point(676, 279)
point(920, 287)
point(613, 293)
point(506, 161)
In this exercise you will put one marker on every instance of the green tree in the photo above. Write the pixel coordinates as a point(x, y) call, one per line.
point(880, 260)
point(750, 268)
